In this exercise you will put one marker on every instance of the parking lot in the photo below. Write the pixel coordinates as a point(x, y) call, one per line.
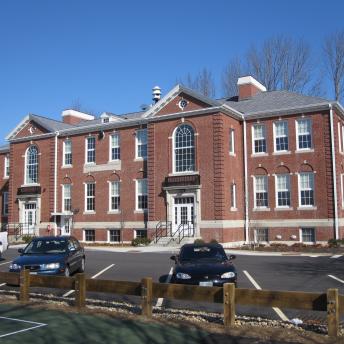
point(295, 273)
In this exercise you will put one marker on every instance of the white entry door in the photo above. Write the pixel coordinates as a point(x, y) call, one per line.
point(65, 225)
point(30, 215)
point(183, 215)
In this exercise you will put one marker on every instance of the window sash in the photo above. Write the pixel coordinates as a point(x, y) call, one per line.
point(141, 143)
point(114, 195)
point(259, 138)
point(304, 133)
point(262, 234)
point(90, 196)
point(67, 146)
point(7, 166)
point(5, 203)
point(281, 136)
point(231, 141)
point(115, 147)
point(261, 192)
point(91, 150)
point(32, 166)
point(308, 234)
point(306, 187)
point(114, 235)
point(90, 235)
point(142, 194)
point(67, 197)
point(184, 149)
point(283, 190)
point(233, 195)
point(141, 233)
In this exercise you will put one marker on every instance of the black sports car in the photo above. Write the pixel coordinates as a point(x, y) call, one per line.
point(204, 265)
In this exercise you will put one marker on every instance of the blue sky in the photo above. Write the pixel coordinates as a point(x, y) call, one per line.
point(107, 55)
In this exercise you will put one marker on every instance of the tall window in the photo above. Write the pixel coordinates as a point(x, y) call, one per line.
point(261, 191)
point(114, 196)
point(31, 175)
point(67, 197)
point(184, 149)
point(141, 194)
point(5, 203)
point(90, 149)
point(231, 141)
point(7, 166)
point(259, 138)
point(67, 153)
point(304, 133)
point(141, 143)
point(283, 190)
point(90, 189)
point(233, 196)
point(115, 150)
point(281, 136)
point(306, 189)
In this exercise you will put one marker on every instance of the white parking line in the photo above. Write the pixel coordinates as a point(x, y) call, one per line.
point(257, 286)
point(336, 278)
point(336, 256)
point(2, 284)
point(5, 263)
point(37, 325)
point(95, 276)
point(168, 280)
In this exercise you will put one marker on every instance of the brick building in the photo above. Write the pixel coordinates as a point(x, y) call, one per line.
point(261, 166)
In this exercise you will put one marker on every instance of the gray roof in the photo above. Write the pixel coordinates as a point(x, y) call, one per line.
point(50, 124)
point(5, 148)
point(273, 100)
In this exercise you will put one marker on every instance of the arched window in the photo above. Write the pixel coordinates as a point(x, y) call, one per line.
point(31, 165)
point(184, 149)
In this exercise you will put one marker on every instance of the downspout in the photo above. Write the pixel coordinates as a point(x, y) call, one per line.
point(333, 153)
point(246, 187)
point(55, 183)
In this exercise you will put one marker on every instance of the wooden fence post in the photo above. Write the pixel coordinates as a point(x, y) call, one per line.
point(228, 304)
point(332, 312)
point(80, 290)
point(24, 283)
point(146, 296)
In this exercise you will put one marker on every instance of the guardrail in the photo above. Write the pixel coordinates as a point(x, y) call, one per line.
point(330, 302)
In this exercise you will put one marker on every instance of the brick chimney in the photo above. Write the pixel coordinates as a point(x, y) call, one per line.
point(249, 87)
point(75, 117)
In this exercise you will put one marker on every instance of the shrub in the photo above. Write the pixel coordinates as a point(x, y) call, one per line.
point(27, 238)
point(334, 242)
point(199, 242)
point(140, 242)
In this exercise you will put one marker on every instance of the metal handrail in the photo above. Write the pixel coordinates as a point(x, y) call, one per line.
point(181, 231)
point(161, 227)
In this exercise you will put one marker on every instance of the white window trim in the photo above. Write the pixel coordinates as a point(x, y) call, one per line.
point(276, 192)
point(342, 187)
point(108, 236)
point(233, 197)
point(25, 169)
point(275, 137)
point(299, 192)
point(85, 199)
point(114, 211)
point(254, 193)
point(6, 164)
point(86, 150)
point(253, 138)
point(3, 200)
point(256, 235)
point(297, 135)
point(64, 153)
point(232, 140)
point(110, 146)
point(84, 234)
point(137, 195)
point(136, 144)
point(63, 197)
point(308, 242)
point(340, 147)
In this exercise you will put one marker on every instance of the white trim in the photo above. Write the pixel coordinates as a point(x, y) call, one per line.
point(19, 127)
point(63, 197)
point(275, 136)
point(249, 80)
point(342, 187)
point(77, 114)
point(85, 198)
point(114, 211)
point(233, 196)
point(340, 146)
point(232, 141)
point(311, 206)
point(86, 150)
point(307, 242)
point(136, 144)
point(255, 207)
point(25, 167)
point(118, 146)
point(64, 165)
point(279, 207)
point(247, 221)
point(264, 137)
point(311, 148)
point(297, 222)
point(137, 195)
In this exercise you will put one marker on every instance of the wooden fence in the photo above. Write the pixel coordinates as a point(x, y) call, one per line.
point(330, 302)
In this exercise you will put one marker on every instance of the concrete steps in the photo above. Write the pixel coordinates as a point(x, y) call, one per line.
point(173, 242)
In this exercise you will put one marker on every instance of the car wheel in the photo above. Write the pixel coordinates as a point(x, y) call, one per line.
point(82, 265)
point(67, 272)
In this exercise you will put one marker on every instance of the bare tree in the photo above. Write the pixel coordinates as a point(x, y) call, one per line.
point(334, 58)
point(281, 63)
point(203, 82)
point(232, 72)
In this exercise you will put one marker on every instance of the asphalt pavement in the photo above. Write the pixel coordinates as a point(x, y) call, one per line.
point(294, 273)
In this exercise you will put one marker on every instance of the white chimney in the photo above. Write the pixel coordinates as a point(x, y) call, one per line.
point(156, 94)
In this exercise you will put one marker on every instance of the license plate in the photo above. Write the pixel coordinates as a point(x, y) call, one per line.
point(33, 273)
point(206, 284)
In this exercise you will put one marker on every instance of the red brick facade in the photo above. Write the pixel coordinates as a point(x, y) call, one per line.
point(215, 166)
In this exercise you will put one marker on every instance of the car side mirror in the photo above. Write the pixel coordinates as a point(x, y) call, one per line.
point(72, 249)
point(21, 250)
point(232, 256)
point(173, 258)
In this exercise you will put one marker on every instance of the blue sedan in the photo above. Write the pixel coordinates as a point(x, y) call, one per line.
point(51, 256)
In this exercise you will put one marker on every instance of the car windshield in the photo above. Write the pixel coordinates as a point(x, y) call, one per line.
point(46, 247)
point(202, 253)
